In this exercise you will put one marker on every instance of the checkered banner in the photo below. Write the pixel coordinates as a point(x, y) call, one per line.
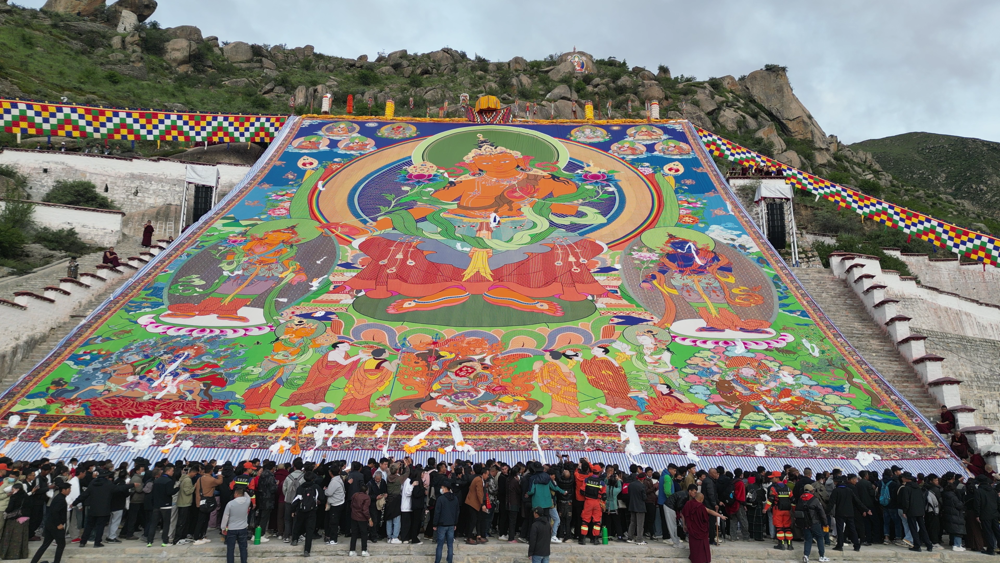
point(977, 246)
point(43, 119)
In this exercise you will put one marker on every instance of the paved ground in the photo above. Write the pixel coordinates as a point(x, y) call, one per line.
point(494, 552)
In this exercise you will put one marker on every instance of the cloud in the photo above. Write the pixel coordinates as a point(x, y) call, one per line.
point(864, 69)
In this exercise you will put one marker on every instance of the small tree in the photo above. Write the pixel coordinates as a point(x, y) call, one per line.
point(17, 213)
point(80, 193)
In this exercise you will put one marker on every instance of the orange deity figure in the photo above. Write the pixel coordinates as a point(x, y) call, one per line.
point(494, 232)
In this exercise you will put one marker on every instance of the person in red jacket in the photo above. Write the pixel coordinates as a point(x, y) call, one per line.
point(737, 510)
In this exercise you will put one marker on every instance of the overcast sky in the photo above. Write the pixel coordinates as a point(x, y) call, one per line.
point(864, 68)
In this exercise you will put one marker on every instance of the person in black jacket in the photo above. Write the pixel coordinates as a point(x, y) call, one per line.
point(118, 498)
point(162, 495)
point(55, 525)
point(813, 520)
point(378, 490)
point(985, 503)
point(952, 513)
point(308, 497)
point(913, 502)
point(540, 537)
point(869, 499)
point(843, 501)
point(445, 519)
point(97, 500)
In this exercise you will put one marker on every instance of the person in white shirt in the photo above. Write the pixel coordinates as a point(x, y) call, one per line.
point(234, 525)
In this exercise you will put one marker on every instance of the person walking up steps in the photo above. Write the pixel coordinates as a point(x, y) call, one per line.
point(539, 537)
point(811, 518)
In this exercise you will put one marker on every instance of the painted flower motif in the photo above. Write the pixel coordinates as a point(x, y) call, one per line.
point(594, 176)
point(236, 239)
point(645, 256)
point(688, 219)
point(278, 212)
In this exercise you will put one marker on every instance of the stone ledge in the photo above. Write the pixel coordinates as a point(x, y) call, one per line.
point(863, 277)
point(884, 302)
point(13, 305)
point(896, 319)
point(73, 281)
point(927, 358)
point(57, 290)
point(33, 296)
point(944, 381)
point(912, 338)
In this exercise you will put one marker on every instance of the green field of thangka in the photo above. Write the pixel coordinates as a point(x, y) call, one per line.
point(580, 277)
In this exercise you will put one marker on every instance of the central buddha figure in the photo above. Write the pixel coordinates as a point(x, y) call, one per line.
point(494, 232)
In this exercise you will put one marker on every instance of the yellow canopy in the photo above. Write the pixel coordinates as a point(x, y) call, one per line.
point(487, 102)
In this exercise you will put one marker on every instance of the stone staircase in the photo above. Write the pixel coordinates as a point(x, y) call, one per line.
point(847, 312)
point(54, 307)
point(494, 552)
point(42, 349)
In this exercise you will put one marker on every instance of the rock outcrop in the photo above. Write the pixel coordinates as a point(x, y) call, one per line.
point(127, 22)
point(81, 7)
point(141, 8)
point(178, 51)
point(771, 89)
point(189, 32)
point(238, 52)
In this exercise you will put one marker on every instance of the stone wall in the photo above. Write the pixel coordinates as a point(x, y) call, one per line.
point(948, 274)
point(976, 361)
point(95, 226)
point(134, 185)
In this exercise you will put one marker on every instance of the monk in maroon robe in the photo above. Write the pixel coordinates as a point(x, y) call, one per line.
point(147, 234)
point(695, 515)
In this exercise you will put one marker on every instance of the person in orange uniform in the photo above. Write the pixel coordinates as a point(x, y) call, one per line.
point(594, 494)
point(779, 502)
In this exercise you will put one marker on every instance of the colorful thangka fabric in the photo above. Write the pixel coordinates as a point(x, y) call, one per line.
point(574, 277)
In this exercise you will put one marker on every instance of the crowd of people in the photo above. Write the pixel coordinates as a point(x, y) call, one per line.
point(94, 503)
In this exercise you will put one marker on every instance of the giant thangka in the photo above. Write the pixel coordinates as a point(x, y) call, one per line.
point(454, 289)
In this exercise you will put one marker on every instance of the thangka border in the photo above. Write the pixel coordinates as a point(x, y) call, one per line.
point(599, 437)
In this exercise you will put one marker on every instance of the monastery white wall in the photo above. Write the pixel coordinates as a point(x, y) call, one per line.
point(970, 280)
point(135, 185)
point(95, 226)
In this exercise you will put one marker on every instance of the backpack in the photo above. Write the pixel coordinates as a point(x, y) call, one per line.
point(802, 520)
point(592, 486)
point(883, 496)
point(308, 502)
point(755, 494)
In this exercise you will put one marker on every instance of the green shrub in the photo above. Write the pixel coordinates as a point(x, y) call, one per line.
point(11, 242)
point(415, 81)
point(839, 177)
point(80, 193)
point(154, 39)
point(65, 240)
point(367, 77)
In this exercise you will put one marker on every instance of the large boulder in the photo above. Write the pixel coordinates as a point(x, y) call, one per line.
point(562, 70)
point(523, 81)
point(396, 57)
point(189, 32)
point(301, 96)
point(729, 119)
point(141, 8)
point(790, 158)
point(127, 22)
point(770, 134)
point(81, 7)
point(238, 52)
point(518, 63)
point(440, 57)
point(561, 92)
point(771, 89)
point(705, 100)
point(178, 51)
point(581, 58)
point(652, 91)
point(695, 115)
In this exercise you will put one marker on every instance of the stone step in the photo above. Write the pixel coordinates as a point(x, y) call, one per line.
point(495, 552)
point(847, 312)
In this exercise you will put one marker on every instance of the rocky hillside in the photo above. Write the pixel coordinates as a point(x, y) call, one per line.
point(962, 173)
point(88, 53)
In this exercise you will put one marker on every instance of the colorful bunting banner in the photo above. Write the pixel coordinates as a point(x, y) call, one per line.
point(970, 244)
point(43, 119)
